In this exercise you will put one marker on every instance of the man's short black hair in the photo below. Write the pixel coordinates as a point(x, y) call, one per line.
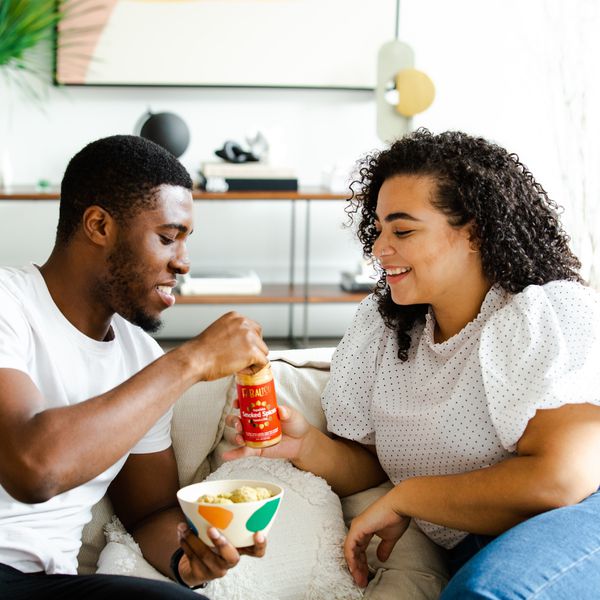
point(120, 173)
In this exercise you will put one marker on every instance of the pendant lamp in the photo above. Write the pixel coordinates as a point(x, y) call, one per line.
point(402, 91)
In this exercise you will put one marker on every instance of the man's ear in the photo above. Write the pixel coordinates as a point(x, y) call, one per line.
point(98, 225)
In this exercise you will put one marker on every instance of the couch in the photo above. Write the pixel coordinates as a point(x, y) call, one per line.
point(304, 557)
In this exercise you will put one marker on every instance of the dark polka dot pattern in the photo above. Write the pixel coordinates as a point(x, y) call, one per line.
point(463, 404)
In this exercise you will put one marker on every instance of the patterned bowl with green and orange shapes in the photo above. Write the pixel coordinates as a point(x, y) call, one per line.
point(238, 522)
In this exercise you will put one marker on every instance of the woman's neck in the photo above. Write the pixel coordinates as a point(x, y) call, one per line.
point(455, 311)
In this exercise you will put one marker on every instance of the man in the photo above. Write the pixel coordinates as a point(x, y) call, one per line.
point(86, 395)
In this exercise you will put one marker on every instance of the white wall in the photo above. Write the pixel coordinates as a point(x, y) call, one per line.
point(493, 64)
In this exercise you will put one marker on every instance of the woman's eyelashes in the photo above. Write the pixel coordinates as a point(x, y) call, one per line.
point(398, 232)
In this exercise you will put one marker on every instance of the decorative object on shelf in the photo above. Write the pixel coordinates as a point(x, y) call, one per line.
point(402, 91)
point(337, 177)
point(361, 280)
point(6, 173)
point(258, 144)
point(215, 283)
point(166, 129)
point(232, 152)
point(252, 176)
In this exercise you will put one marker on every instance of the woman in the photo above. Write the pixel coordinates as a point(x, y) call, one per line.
point(472, 371)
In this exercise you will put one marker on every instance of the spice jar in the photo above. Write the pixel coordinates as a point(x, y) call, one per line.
point(258, 408)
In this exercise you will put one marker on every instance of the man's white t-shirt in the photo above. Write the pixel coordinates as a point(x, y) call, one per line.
point(67, 367)
point(463, 404)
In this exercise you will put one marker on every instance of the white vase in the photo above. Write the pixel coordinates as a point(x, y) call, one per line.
point(6, 171)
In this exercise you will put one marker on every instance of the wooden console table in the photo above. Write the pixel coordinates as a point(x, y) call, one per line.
point(291, 293)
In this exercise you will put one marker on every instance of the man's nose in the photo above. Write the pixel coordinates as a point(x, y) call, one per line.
point(181, 262)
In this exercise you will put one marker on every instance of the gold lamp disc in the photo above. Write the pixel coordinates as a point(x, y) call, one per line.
point(416, 91)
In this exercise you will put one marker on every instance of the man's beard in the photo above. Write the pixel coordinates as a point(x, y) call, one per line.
point(122, 288)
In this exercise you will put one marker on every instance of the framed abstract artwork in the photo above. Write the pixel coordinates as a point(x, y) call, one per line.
point(221, 43)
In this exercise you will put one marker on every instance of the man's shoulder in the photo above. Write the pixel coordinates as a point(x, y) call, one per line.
point(15, 283)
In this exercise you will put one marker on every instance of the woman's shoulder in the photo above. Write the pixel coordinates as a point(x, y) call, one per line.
point(558, 313)
point(365, 333)
point(540, 350)
point(367, 316)
point(564, 301)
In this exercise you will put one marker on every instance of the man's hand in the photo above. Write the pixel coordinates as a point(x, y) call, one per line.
point(231, 344)
point(201, 563)
point(294, 428)
point(379, 519)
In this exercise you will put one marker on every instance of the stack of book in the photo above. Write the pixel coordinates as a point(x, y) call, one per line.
point(216, 283)
point(246, 177)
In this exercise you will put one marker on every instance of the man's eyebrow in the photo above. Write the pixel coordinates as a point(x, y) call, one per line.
point(398, 215)
point(177, 226)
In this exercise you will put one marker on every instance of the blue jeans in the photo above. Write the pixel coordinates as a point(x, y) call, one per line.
point(554, 555)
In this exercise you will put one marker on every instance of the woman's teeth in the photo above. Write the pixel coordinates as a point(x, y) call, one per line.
point(397, 271)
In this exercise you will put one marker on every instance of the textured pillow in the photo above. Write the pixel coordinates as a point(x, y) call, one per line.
point(198, 422)
point(304, 559)
point(122, 555)
point(93, 540)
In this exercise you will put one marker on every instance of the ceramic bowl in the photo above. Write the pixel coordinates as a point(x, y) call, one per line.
point(237, 522)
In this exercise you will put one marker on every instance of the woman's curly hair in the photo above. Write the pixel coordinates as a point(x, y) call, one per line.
point(514, 222)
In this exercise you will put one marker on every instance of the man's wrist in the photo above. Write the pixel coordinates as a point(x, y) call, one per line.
point(175, 558)
point(185, 364)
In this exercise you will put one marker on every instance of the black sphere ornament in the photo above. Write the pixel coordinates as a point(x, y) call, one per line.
point(168, 130)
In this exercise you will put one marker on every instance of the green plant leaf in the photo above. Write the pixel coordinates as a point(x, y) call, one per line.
point(28, 24)
point(23, 25)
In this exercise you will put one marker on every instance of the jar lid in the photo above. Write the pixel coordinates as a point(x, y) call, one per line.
point(261, 376)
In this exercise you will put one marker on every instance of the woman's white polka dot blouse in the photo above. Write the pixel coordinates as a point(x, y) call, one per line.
point(463, 404)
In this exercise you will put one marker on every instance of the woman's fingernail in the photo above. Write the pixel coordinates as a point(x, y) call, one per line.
point(213, 533)
point(260, 538)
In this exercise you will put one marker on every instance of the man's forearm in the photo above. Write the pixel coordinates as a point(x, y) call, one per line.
point(157, 538)
point(61, 461)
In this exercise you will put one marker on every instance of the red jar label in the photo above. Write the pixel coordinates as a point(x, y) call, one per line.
point(258, 412)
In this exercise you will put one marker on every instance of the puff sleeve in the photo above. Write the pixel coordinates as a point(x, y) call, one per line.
point(347, 396)
point(540, 351)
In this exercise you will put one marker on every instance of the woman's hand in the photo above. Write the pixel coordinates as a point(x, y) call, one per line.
point(379, 519)
point(201, 563)
point(295, 430)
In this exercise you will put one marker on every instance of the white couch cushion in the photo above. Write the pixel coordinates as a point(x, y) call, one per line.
point(198, 423)
point(304, 559)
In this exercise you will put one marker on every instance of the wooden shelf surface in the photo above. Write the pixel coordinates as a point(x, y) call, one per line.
point(23, 192)
point(280, 294)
